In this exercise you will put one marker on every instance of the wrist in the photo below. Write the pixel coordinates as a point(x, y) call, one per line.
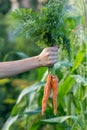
point(39, 61)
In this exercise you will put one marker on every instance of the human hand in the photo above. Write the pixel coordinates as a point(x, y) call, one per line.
point(48, 56)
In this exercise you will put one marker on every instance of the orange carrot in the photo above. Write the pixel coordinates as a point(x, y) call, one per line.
point(55, 92)
point(47, 91)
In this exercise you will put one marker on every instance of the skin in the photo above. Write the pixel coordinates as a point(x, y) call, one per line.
point(46, 58)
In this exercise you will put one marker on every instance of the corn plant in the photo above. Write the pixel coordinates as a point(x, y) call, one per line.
point(72, 93)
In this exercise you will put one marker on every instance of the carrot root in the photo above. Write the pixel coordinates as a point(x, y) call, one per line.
point(52, 83)
point(47, 91)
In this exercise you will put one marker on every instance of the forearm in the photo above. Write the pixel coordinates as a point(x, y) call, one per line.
point(47, 57)
point(8, 69)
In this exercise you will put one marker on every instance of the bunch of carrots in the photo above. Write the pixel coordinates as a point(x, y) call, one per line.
point(52, 83)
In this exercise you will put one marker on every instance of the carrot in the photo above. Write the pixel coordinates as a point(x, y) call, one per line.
point(55, 92)
point(47, 91)
point(52, 83)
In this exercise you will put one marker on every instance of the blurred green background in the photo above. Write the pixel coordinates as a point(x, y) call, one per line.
point(72, 74)
point(12, 48)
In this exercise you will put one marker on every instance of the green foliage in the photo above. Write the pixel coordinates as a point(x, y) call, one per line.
point(72, 96)
point(5, 6)
point(46, 26)
point(7, 99)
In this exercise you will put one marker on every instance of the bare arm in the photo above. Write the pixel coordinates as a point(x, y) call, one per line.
point(15, 67)
point(47, 57)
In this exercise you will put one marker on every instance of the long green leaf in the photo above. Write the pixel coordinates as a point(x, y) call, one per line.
point(9, 122)
point(20, 55)
point(60, 64)
point(29, 89)
point(32, 112)
point(78, 60)
point(59, 119)
point(79, 79)
point(64, 87)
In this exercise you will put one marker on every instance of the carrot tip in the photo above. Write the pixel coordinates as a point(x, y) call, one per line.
point(42, 113)
point(55, 113)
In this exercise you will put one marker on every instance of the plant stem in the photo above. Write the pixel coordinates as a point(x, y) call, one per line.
point(85, 33)
point(85, 16)
point(51, 70)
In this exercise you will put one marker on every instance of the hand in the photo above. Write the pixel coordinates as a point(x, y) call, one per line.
point(48, 56)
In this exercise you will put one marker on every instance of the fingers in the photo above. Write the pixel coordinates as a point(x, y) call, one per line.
point(51, 51)
point(55, 53)
point(53, 57)
point(48, 56)
point(51, 62)
point(52, 48)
